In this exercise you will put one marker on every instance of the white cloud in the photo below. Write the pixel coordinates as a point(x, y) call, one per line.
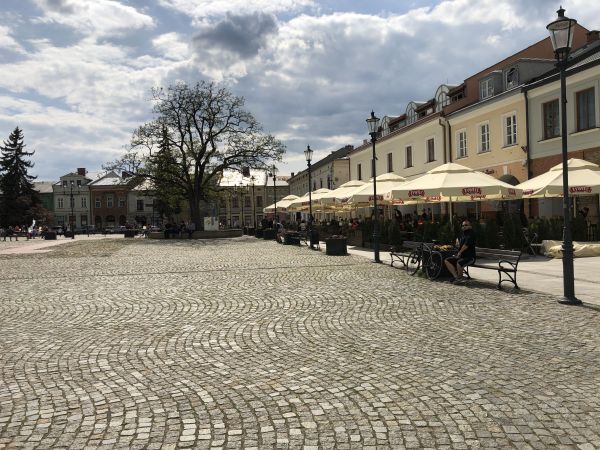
point(208, 8)
point(94, 17)
point(7, 41)
point(172, 46)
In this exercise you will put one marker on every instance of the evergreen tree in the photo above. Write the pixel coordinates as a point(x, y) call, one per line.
point(18, 200)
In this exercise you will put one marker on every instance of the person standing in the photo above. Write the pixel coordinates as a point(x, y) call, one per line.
point(465, 256)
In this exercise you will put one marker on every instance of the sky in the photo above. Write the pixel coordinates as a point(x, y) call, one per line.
point(76, 75)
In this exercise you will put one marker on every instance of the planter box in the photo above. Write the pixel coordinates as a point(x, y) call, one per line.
point(130, 233)
point(336, 247)
point(269, 234)
point(259, 233)
point(69, 234)
point(291, 239)
point(50, 235)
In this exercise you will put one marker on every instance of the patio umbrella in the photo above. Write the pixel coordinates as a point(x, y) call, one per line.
point(385, 183)
point(302, 203)
point(584, 179)
point(341, 194)
point(453, 182)
point(282, 205)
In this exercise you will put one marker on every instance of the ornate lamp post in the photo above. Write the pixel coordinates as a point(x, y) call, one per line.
point(308, 154)
point(561, 34)
point(273, 174)
point(253, 182)
point(373, 123)
point(72, 216)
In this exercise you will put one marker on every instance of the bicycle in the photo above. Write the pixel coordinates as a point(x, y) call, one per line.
point(428, 258)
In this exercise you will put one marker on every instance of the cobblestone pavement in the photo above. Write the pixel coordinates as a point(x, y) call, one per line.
point(249, 344)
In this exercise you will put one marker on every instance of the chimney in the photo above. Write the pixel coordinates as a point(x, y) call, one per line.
point(81, 171)
point(292, 175)
point(125, 174)
point(592, 36)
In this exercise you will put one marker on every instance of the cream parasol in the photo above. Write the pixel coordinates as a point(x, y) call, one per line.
point(341, 194)
point(302, 203)
point(453, 182)
point(584, 179)
point(385, 183)
point(282, 205)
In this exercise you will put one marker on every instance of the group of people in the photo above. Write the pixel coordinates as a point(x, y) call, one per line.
point(174, 230)
point(409, 220)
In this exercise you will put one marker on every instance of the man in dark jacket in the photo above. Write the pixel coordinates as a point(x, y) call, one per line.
point(465, 255)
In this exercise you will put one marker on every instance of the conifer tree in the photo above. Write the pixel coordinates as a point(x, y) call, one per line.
point(18, 198)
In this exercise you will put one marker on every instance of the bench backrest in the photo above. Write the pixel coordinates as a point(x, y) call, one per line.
point(411, 244)
point(498, 254)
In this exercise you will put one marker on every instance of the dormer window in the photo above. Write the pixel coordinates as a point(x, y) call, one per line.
point(411, 113)
point(512, 78)
point(486, 88)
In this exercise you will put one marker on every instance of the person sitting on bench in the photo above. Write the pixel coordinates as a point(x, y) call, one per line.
point(465, 255)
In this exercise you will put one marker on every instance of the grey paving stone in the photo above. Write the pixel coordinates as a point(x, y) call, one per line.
point(244, 343)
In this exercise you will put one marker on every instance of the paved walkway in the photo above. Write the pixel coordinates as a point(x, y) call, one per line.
point(244, 343)
point(539, 274)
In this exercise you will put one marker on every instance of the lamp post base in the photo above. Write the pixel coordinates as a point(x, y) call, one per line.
point(376, 261)
point(570, 301)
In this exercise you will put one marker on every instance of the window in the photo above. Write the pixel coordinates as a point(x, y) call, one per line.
point(430, 150)
point(259, 201)
point(321, 183)
point(83, 220)
point(461, 144)
point(121, 202)
point(510, 130)
point(408, 154)
point(72, 202)
point(486, 88)
point(97, 203)
point(390, 165)
point(359, 171)
point(140, 205)
point(109, 202)
point(586, 114)
point(234, 202)
point(484, 138)
point(247, 202)
point(78, 183)
point(60, 220)
point(61, 203)
point(83, 202)
point(65, 184)
point(551, 119)
point(512, 78)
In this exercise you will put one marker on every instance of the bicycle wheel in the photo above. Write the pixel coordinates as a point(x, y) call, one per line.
point(413, 262)
point(433, 267)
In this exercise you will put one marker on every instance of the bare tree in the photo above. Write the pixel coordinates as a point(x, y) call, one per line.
point(198, 133)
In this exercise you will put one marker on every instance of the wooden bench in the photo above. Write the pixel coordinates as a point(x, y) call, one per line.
point(400, 254)
point(505, 262)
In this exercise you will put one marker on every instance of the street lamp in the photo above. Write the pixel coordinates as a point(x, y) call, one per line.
point(273, 174)
point(243, 189)
point(373, 123)
point(308, 154)
point(561, 34)
point(253, 181)
point(71, 217)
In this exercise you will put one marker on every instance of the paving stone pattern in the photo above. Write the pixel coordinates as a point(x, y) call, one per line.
point(245, 343)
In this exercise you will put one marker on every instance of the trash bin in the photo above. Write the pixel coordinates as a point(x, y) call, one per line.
point(314, 237)
point(269, 234)
point(129, 233)
point(336, 246)
point(50, 235)
point(259, 233)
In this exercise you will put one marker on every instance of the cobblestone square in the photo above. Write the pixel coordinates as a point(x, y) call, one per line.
point(245, 343)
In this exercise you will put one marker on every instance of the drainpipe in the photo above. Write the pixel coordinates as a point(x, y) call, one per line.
point(449, 142)
point(442, 122)
point(528, 139)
